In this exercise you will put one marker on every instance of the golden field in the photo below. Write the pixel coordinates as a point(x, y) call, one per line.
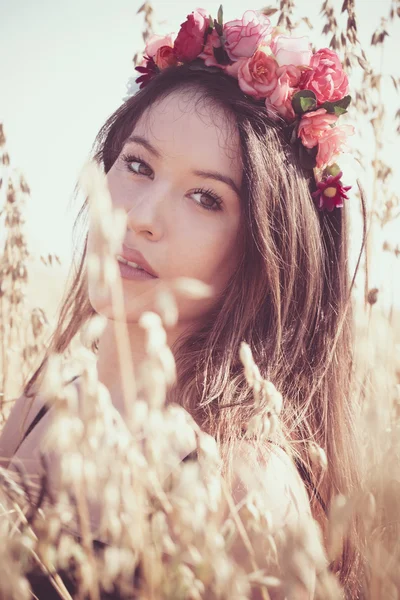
point(171, 525)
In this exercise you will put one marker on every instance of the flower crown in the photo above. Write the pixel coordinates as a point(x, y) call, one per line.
point(307, 90)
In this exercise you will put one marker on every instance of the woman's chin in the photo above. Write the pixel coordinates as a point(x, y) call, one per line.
point(133, 307)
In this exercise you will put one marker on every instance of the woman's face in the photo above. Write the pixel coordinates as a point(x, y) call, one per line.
point(178, 178)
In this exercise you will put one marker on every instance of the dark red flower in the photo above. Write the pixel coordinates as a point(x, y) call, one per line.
point(149, 70)
point(331, 193)
point(190, 39)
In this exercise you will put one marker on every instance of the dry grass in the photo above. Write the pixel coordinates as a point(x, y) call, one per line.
point(177, 520)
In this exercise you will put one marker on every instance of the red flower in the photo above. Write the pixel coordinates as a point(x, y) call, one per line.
point(331, 192)
point(190, 39)
point(148, 72)
point(326, 77)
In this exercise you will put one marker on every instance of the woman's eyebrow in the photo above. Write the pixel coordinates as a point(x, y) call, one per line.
point(138, 139)
point(218, 177)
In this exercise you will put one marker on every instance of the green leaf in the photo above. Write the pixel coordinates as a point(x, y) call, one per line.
point(218, 28)
point(333, 170)
point(221, 56)
point(344, 101)
point(307, 104)
point(329, 107)
point(337, 108)
point(210, 22)
point(220, 16)
point(304, 101)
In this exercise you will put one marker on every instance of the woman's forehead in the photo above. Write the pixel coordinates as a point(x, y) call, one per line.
point(187, 121)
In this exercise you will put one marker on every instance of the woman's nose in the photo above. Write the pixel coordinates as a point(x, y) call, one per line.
point(146, 212)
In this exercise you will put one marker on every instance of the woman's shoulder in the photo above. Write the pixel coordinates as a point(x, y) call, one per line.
point(267, 469)
point(268, 483)
point(22, 448)
point(24, 410)
point(25, 425)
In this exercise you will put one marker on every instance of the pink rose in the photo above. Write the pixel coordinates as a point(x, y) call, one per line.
point(327, 79)
point(288, 78)
point(314, 125)
point(257, 75)
point(213, 41)
point(291, 50)
point(244, 35)
point(157, 41)
point(332, 143)
point(165, 57)
point(190, 39)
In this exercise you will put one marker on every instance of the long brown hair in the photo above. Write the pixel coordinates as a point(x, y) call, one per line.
point(289, 298)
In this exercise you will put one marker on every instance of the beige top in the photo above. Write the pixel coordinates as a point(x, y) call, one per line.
point(284, 493)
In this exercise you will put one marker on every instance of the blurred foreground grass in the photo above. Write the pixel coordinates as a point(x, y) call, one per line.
point(169, 524)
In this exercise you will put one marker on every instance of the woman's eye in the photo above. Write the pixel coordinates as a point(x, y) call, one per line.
point(137, 166)
point(141, 168)
point(208, 200)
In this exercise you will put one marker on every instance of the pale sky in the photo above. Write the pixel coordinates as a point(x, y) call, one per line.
point(63, 71)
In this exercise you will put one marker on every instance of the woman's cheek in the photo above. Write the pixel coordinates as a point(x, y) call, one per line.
point(118, 192)
point(198, 252)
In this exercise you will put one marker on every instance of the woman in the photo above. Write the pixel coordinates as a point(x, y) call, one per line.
point(222, 163)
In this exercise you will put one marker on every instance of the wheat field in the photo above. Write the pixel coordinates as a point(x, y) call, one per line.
point(171, 526)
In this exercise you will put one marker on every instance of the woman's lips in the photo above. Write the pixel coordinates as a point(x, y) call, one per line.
point(128, 272)
point(133, 255)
